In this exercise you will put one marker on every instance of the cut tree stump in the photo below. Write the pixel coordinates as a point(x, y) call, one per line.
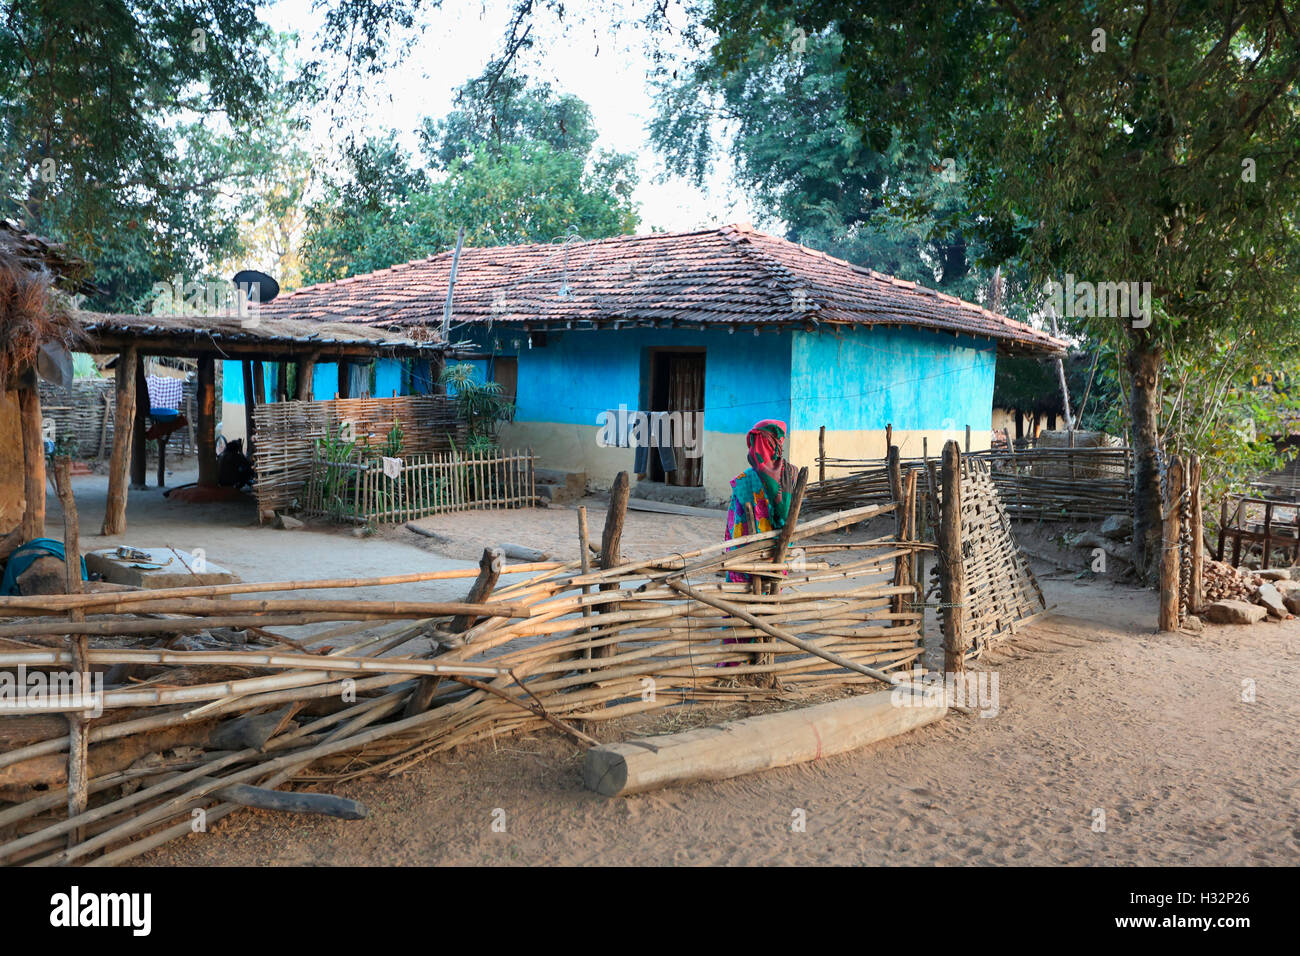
point(756, 743)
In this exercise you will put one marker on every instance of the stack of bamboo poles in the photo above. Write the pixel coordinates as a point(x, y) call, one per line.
point(223, 726)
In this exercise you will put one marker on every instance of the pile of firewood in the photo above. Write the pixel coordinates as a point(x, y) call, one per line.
point(1223, 582)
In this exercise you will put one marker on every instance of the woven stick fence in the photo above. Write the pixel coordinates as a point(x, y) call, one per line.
point(1045, 484)
point(216, 729)
point(287, 433)
point(362, 492)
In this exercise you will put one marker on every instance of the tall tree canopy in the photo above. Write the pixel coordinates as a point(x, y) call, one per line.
point(1114, 142)
point(781, 113)
point(515, 162)
point(118, 121)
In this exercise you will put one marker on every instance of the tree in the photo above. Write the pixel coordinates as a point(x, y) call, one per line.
point(1112, 142)
point(781, 111)
point(109, 115)
point(512, 165)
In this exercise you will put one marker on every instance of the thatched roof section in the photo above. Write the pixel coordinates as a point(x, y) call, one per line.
point(68, 272)
point(32, 313)
point(250, 336)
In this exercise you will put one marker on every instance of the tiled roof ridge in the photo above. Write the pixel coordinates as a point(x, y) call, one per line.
point(740, 237)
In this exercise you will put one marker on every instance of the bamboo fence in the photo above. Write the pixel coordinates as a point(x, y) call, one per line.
point(1044, 484)
point(429, 484)
point(84, 412)
point(224, 727)
point(287, 433)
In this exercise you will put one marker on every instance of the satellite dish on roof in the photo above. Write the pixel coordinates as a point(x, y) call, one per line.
point(250, 280)
point(54, 364)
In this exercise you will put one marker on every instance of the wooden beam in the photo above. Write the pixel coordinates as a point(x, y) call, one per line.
point(123, 438)
point(249, 404)
point(755, 743)
point(29, 411)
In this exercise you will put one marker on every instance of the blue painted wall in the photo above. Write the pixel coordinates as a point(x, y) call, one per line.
point(388, 378)
point(232, 380)
point(577, 375)
point(867, 378)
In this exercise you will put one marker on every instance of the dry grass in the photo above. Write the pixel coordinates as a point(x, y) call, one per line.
point(31, 314)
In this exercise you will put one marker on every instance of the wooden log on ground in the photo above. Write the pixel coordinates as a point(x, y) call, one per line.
point(756, 743)
point(261, 798)
point(520, 553)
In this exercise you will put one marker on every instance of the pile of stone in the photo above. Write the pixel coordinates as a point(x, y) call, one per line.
point(1243, 596)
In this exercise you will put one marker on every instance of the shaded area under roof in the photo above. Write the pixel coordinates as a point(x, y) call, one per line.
point(731, 276)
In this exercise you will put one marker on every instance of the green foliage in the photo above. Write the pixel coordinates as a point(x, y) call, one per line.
point(781, 110)
point(124, 127)
point(514, 164)
point(480, 404)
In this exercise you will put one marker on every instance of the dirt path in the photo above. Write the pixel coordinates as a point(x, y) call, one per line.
point(1150, 729)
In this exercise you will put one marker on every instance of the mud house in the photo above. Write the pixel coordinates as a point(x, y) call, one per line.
point(728, 325)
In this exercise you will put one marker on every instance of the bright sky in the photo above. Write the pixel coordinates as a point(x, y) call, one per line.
point(608, 71)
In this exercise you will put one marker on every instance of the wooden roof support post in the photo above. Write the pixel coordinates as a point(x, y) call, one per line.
point(139, 471)
point(249, 404)
point(1170, 556)
point(123, 438)
point(611, 545)
point(29, 410)
point(952, 571)
point(306, 377)
point(207, 435)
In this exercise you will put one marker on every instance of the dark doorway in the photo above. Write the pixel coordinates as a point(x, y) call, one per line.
point(505, 372)
point(677, 385)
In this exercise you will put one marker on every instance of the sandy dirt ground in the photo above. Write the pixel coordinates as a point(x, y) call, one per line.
point(1111, 745)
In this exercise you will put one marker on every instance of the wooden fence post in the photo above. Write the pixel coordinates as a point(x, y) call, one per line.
point(78, 737)
point(1169, 552)
point(611, 546)
point(821, 455)
point(489, 571)
point(952, 571)
point(1197, 589)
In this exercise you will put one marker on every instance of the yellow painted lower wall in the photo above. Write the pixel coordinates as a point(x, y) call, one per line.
point(574, 448)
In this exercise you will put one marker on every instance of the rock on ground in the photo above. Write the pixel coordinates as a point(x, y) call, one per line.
point(1269, 597)
point(1234, 612)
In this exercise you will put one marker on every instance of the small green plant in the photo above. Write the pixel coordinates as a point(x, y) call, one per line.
point(481, 405)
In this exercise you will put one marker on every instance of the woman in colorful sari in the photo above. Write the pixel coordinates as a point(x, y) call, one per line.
point(766, 486)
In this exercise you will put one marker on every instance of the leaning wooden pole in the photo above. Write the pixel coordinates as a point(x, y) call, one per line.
point(123, 438)
point(1170, 557)
point(952, 571)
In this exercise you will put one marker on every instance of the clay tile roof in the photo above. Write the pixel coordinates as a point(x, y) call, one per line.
point(731, 275)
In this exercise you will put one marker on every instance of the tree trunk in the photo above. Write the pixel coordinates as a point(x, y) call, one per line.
point(1144, 363)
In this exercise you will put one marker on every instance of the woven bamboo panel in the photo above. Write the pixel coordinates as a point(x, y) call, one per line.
point(438, 483)
point(1001, 590)
point(286, 435)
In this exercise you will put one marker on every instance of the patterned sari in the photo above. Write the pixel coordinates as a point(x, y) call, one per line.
point(766, 486)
